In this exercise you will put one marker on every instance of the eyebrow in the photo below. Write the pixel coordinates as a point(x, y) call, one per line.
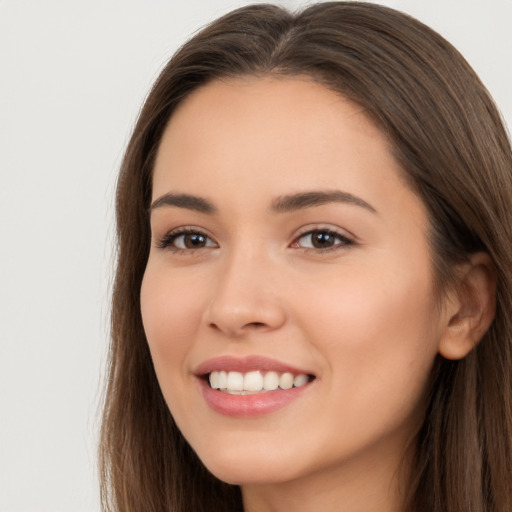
point(198, 204)
point(282, 204)
point(290, 203)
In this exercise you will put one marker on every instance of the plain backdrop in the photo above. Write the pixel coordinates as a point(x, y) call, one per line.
point(73, 74)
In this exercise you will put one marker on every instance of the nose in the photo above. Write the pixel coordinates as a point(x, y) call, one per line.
point(245, 297)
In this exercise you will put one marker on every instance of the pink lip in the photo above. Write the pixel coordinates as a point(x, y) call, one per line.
point(247, 406)
point(246, 364)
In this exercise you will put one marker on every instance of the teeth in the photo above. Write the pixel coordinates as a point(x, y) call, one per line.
point(300, 380)
point(214, 380)
point(223, 380)
point(235, 381)
point(286, 381)
point(270, 381)
point(254, 382)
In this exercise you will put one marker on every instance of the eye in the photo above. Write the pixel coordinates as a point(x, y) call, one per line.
point(322, 240)
point(185, 240)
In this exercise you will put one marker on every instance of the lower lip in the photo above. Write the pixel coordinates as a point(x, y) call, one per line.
point(248, 406)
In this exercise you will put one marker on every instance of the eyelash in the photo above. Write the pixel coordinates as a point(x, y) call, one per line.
point(343, 241)
point(167, 241)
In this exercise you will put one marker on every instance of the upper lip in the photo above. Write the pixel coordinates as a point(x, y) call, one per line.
point(246, 364)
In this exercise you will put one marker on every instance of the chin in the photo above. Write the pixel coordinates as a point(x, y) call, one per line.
point(241, 467)
point(249, 475)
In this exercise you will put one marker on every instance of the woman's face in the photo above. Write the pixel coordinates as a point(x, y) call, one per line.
point(284, 241)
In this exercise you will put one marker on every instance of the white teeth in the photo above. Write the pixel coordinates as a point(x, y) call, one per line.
point(286, 381)
point(223, 380)
point(270, 381)
point(214, 380)
point(300, 380)
point(235, 381)
point(254, 381)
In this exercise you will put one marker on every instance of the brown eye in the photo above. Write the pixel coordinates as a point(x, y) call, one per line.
point(186, 240)
point(191, 241)
point(322, 239)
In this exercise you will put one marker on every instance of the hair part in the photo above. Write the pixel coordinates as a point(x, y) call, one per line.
point(449, 139)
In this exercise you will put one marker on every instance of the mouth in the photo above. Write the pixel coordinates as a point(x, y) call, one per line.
point(255, 381)
point(250, 386)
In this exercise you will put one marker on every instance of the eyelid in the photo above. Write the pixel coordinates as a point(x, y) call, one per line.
point(166, 241)
point(346, 239)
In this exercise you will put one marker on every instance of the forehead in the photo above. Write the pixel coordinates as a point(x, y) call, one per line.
point(259, 137)
point(299, 107)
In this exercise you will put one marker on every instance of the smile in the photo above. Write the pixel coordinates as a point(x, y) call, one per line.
point(250, 386)
point(238, 383)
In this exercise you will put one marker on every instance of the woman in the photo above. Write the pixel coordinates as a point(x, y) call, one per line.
point(313, 292)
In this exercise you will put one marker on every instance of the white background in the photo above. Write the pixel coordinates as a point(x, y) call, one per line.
point(73, 74)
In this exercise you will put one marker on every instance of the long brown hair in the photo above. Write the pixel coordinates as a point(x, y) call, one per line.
point(454, 151)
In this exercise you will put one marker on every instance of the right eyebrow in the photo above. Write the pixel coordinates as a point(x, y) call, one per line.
point(187, 201)
point(304, 200)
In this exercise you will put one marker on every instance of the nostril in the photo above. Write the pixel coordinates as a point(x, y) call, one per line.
point(256, 325)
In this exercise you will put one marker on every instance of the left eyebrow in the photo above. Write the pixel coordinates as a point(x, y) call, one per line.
point(290, 203)
point(187, 201)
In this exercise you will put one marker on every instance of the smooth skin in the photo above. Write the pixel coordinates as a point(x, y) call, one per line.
point(342, 288)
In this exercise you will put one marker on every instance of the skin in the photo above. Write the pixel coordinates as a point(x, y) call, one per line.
point(361, 316)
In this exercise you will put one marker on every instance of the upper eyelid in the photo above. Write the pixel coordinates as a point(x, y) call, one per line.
point(165, 240)
point(344, 239)
point(183, 230)
point(324, 227)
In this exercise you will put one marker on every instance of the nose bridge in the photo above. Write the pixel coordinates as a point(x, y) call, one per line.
point(244, 297)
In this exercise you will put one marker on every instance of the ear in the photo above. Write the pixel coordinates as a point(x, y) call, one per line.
point(469, 307)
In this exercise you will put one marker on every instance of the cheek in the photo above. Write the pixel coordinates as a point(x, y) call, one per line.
point(377, 331)
point(361, 304)
point(171, 316)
